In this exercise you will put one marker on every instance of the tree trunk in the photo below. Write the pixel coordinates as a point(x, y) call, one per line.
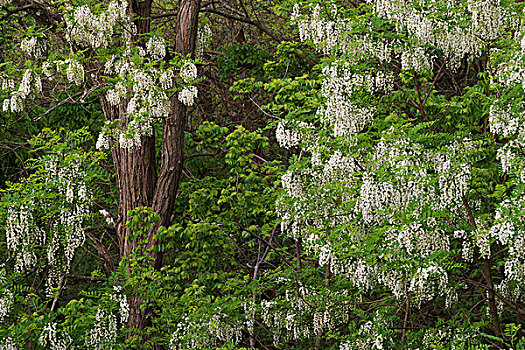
point(136, 168)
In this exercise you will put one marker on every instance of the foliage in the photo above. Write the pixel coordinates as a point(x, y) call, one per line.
point(374, 200)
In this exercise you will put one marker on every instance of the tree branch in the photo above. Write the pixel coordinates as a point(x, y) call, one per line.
point(276, 37)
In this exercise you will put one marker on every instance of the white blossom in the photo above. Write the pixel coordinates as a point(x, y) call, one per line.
point(29, 46)
point(203, 39)
point(125, 141)
point(156, 47)
point(102, 141)
point(94, 30)
point(188, 72)
point(103, 335)
point(75, 72)
point(51, 339)
point(8, 344)
point(188, 95)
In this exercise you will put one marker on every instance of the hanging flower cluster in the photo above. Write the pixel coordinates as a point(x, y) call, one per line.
point(190, 334)
point(51, 339)
point(141, 93)
point(103, 335)
point(94, 30)
point(30, 82)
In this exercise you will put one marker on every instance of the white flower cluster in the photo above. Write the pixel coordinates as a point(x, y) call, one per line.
point(325, 35)
point(487, 18)
point(66, 232)
point(130, 139)
point(205, 333)
point(417, 176)
point(103, 335)
point(509, 71)
point(74, 72)
point(6, 301)
point(50, 339)
point(6, 83)
point(340, 112)
point(415, 59)
point(103, 140)
point(188, 95)
point(395, 281)
point(189, 335)
point(508, 155)
point(140, 94)
point(22, 234)
point(290, 136)
point(249, 319)
point(94, 30)
point(455, 41)
point(308, 313)
point(115, 95)
point(507, 231)
point(456, 338)
point(502, 121)
point(361, 274)
point(453, 181)
point(8, 343)
point(414, 239)
point(122, 299)
point(31, 46)
point(29, 82)
point(203, 40)
point(428, 282)
point(166, 79)
point(188, 73)
point(379, 200)
point(156, 47)
point(369, 338)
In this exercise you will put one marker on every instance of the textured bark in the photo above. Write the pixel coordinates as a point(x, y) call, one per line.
point(173, 127)
point(137, 179)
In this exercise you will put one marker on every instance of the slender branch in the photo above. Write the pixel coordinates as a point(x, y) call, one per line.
point(487, 275)
point(262, 110)
point(101, 249)
point(255, 22)
point(88, 278)
point(16, 10)
point(496, 294)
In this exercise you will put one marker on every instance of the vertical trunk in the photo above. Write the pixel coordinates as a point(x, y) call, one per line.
point(136, 178)
point(136, 168)
point(173, 127)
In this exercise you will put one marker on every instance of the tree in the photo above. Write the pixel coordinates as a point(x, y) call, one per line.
point(112, 47)
point(397, 188)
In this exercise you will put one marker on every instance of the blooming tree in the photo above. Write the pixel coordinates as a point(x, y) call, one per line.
point(108, 49)
point(391, 192)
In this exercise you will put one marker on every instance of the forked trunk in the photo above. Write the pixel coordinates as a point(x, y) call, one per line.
point(136, 169)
